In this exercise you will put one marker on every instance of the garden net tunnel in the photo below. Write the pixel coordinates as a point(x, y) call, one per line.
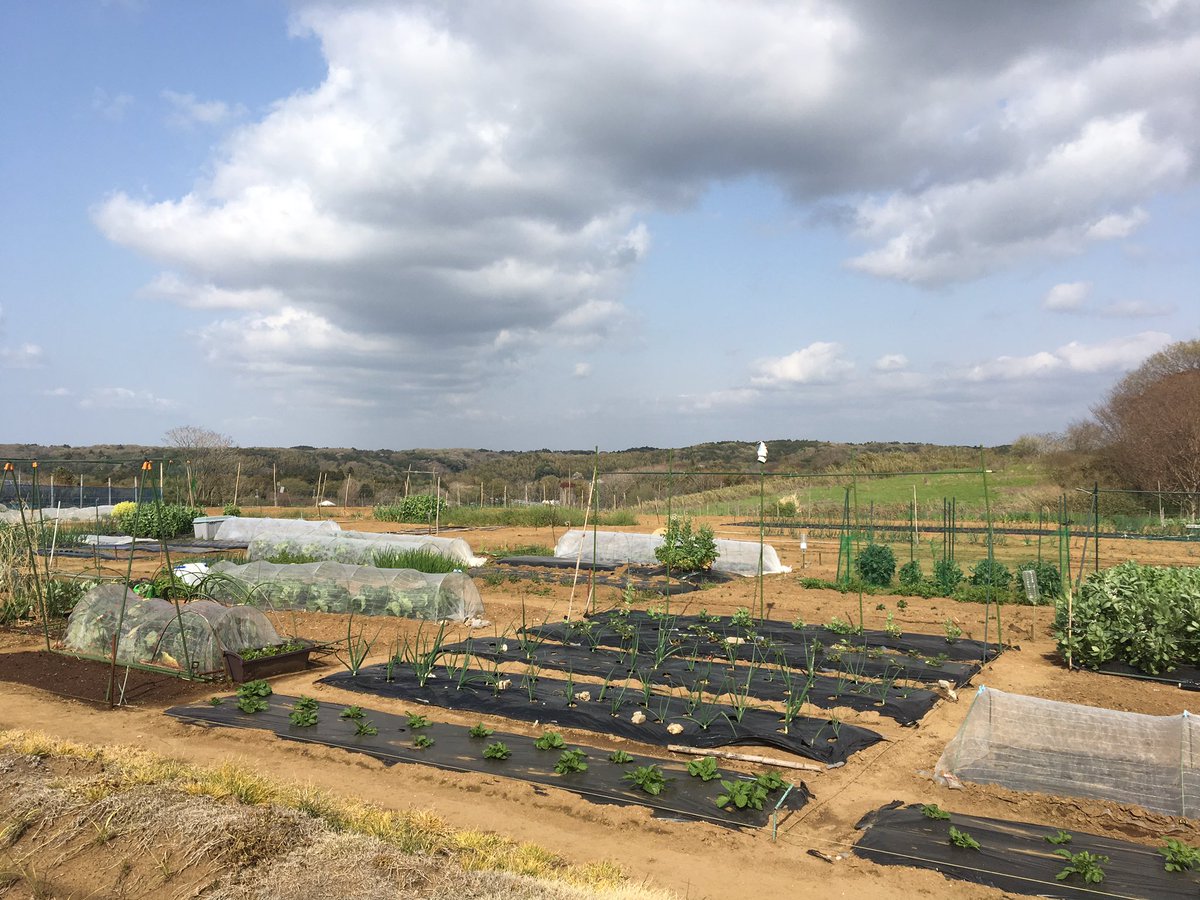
point(189, 639)
point(339, 588)
point(356, 548)
point(624, 547)
point(242, 530)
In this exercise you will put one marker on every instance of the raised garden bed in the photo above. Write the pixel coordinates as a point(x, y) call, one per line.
point(249, 665)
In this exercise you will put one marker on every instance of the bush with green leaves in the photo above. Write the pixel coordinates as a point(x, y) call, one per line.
point(686, 550)
point(1049, 579)
point(910, 575)
point(991, 573)
point(946, 576)
point(1147, 617)
point(156, 520)
point(876, 564)
point(231, 510)
point(418, 508)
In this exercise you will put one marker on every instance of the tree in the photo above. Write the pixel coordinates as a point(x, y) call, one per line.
point(1150, 423)
point(208, 461)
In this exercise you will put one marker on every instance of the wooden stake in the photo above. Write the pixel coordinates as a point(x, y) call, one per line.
point(237, 482)
point(747, 757)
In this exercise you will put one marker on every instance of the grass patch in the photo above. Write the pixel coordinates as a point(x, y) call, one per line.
point(426, 561)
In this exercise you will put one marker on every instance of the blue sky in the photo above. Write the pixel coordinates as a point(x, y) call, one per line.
point(541, 224)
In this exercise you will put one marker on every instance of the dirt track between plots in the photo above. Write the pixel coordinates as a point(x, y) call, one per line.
point(694, 860)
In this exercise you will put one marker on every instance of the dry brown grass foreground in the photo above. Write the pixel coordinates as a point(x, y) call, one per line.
point(83, 821)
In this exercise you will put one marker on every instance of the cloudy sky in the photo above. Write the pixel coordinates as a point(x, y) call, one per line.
point(558, 224)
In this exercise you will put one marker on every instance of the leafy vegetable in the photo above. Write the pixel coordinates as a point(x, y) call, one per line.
point(649, 778)
point(498, 750)
point(705, 768)
point(1086, 865)
point(571, 761)
point(962, 839)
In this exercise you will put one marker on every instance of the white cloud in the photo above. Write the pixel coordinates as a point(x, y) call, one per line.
point(582, 370)
point(124, 398)
point(169, 286)
point(891, 362)
point(1067, 297)
point(186, 110)
point(1115, 355)
point(819, 363)
point(56, 392)
point(111, 106)
point(23, 356)
point(1135, 309)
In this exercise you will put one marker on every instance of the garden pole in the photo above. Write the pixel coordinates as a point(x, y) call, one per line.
point(991, 557)
point(670, 490)
point(1096, 523)
point(595, 530)
point(762, 480)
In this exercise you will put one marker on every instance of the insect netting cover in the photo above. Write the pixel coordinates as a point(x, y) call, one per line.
point(154, 632)
point(336, 548)
point(239, 529)
point(622, 547)
point(340, 588)
point(1031, 744)
point(455, 548)
point(63, 514)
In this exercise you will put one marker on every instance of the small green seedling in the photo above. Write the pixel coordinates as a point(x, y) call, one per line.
point(251, 705)
point(962, 839)
point(304, 712)
point(1086, 865)
point(251, 696)
point(480, 731)
point(1062, 837)
point(741, 618)
point(742, 795)
point(352, 712)
point(365, 728)
point(933, 811)
point(770, 781)
point(1180, 857)
point(571, 761)
point(901, 603)
point(953, 632)
point(798, 622)
point(649, 778)
point(214, 701)
point(550, 740)
point(497, 750)
point(422, 741)
point(620, 757)
point(705, 769)
point(416, 721)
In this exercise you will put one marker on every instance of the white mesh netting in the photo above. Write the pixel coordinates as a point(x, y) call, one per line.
point(63, 514)
point(339, 588)
point(155, 633)
point(340, 548)
point(455, 548)
point(242, 530)
point(622, 547)
point(1031, 744)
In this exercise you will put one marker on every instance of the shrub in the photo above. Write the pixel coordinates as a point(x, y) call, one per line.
point(910, 575)
point(231, 510)
point(1145, 616)
point(413, 508)
point(686, 550)
point(991, 572)
point(1049, 579)
point(946, 575)
point(160, 520)
point(876, 564)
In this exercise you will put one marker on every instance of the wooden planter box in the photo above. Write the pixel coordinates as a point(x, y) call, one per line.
point(242, 670)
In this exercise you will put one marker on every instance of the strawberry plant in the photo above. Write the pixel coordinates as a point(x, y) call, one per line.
point(705, 768)
point(416, 721)
point(962, 839)
point(497, 750)
point(550, 740)
point(480, 731)
point(769, 781)
point(571, 761)
point(251, 696)
point(365, 728)
point(1180, 857)
point(933, 811)
point(351, 712)
point(304, 712)
point(423, 741)
point(1062, 837)
point(1086, 865)
point(742, 795)
point(620, 757)
point(649, 778)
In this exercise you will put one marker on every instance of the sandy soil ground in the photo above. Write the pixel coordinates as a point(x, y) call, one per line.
point(693, 860)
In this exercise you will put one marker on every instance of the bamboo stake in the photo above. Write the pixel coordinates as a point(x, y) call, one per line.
point(237, 482)
point(747, 757)
point(579, 555)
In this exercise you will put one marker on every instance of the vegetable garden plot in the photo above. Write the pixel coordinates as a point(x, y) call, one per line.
point(623, 547)
point(1019, 857)
point(242, 530)
point(845, 655)
point(1067, 750)
point(539, 699)
point(765, 682)
point(454, 548)
point(339, 548)
point(339, 588)
point(190, 639)
point(453, 748)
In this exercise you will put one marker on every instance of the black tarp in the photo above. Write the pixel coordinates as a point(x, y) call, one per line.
point(455, 750)
point(1016, 857)
point(904, 704)
point(825, 741)
point(1186, 677)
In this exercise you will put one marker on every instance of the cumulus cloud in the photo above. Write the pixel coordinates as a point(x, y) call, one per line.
point(1072, 297)
point(470, 182)
point(1115, 355)
point(1067, 297)
point(891, 362)
point(819, 363)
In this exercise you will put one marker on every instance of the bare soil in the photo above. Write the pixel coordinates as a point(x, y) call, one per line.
point(693, 860)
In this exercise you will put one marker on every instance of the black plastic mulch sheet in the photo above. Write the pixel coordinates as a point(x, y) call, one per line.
point(905, 705)
point(829, 742)
point(1186, 677)
point(795, 650)
point(554, 562)
point(453, 749)
point(1016, 857)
